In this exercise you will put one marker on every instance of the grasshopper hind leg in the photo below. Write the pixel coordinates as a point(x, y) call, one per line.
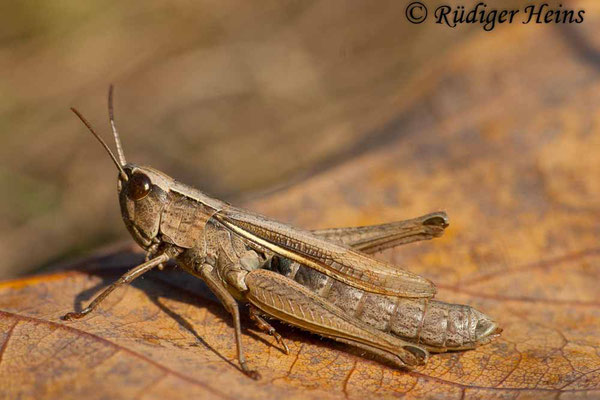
point(290, 302)
point(419, 353)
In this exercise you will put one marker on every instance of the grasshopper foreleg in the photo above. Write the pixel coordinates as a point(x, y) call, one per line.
point(266, 327)
point(228, 301)
point(123, 280)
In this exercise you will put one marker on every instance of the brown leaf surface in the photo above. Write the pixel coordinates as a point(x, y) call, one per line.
point(511, 155)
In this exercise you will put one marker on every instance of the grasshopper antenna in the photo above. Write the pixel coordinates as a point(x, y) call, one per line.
point(111, 117)
point(102, 142)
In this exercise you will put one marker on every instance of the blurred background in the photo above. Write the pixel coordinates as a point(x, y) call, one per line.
point(241, 99)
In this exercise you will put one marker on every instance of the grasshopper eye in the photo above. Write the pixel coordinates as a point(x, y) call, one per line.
point(139, 186)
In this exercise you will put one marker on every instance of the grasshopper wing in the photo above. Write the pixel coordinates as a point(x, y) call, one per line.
point(335, 260)
point(373, 238)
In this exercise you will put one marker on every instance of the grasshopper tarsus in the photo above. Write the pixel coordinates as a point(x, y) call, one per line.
point(74, 315)
point(282, 343)
point(264, 326)
point(77, 315)
point(252, 374)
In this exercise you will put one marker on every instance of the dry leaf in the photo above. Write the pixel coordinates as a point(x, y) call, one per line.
point(517, 171)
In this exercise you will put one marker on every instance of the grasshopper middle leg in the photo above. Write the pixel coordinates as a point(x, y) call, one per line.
point(230, 304)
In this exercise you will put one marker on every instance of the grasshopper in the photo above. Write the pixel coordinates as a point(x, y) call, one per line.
point(324, 281)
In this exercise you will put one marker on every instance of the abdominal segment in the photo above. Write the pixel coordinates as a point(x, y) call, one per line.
point(437, 325)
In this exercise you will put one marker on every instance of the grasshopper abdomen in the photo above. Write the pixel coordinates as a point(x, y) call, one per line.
point(436, 325)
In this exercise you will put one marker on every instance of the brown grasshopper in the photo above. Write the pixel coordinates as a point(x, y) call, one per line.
point(324, 281)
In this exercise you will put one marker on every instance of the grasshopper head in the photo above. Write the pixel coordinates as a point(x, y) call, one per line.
point(143, 196)
point(142, 190)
